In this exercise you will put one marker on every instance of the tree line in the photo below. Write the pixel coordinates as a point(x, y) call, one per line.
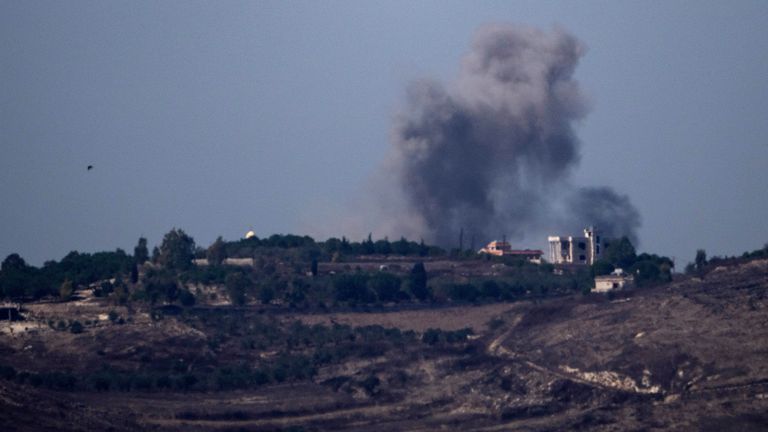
point(286, 270)
point(647, 269)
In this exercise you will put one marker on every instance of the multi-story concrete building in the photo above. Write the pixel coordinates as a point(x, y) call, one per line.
point(576, 250)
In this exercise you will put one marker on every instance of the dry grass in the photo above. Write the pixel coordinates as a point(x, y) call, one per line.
point(452, 318)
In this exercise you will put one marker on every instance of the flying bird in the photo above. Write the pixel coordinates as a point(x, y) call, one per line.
point(90, 167)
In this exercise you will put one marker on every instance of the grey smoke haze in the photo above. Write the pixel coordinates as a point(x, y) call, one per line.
point(612, 212)
point(493, 152)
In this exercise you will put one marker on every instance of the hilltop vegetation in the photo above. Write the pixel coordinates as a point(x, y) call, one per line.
point(297, 271)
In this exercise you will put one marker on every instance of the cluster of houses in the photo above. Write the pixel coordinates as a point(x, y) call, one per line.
point(566, 251)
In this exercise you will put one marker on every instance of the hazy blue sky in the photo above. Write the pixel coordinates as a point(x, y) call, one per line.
point(217, 117)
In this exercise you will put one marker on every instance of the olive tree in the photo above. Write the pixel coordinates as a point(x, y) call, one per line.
point(177, 250)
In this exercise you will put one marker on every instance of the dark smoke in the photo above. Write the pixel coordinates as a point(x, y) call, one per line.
point(493, 153)
point(604, 208)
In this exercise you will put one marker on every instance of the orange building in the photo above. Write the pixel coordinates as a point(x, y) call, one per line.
point(502, 248)
point(497, 248)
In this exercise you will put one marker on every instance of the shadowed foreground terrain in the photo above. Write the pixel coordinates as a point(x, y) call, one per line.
point(690, 355)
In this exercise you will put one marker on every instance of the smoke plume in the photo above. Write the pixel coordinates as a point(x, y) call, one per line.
point(492, 153)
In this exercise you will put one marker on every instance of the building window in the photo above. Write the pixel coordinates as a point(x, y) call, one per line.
point(597, 249)
point(597, 239)
point(582, 258)
point(582, 246)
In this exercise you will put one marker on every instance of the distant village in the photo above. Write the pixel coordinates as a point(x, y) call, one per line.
point(565, 251)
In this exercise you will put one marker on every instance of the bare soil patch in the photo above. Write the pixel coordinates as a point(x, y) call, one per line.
point(446, 318)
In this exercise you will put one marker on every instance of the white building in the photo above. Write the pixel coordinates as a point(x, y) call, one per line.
point(241, 262)
point(576, 250)
point(614, 281)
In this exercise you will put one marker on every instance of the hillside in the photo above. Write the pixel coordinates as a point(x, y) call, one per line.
point(689, 355)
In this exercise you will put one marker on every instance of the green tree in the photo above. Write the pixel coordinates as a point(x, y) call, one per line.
point(646, 273)
point(217, 252)
point(297, 292)
point(353, 288)
point(401, 247)
point(386, 286)
point(266, 294)
point(134, 277)
point(382, 247)
point(601, 267)
point(15, 277)
point(186, 298)
point(418, 281)
point(620, 253)
point(76, 327)
point(13, 262)
point(120, 294)
point(313, 267)
point(177, 250)
point(104, 289)
point(701, 259)
point(463, 292)
point(431, 336)
point(66, 290)
point(140, 252)
point(371, 384)
point(423, 248)
point(490, 289)
point(160, 284)
point(368, 247)
point(236, 284)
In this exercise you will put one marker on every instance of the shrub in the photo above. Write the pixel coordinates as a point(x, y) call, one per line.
point(266, 294)
point(187, 298)
point(463, 292)
point(106, 288)
point(418, 282)
point(76, 327)
point(7, 372)
point(237, 284)
point(495, 323)
point(431, 336)
point(353, 288)
point(59, 380)
point(370, 384)
point(101, 382)
point(66, 290)
point(386, 286)
point(490, 289)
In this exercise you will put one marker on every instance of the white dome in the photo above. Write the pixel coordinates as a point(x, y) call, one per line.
point(250, 234)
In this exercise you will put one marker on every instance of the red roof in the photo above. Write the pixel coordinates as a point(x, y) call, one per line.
point(524, 252)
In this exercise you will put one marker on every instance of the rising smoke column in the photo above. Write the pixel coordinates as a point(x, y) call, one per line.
point(603, 207)
point(492, 153)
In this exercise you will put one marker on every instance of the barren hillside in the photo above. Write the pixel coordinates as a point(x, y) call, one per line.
point(690, 355)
